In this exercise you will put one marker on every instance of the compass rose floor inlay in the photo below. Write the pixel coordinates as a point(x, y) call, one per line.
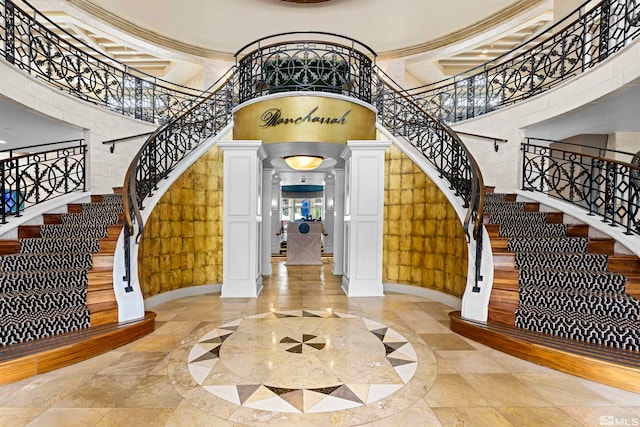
point(303, 362)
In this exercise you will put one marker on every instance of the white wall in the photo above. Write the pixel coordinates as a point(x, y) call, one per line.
point(104, 170)
point(501, 168)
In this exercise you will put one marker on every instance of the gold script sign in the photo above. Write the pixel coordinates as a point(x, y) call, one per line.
point(304, 119)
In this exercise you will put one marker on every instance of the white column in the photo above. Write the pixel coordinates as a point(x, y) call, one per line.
point(276, 209)
point(242, 219)
point(338, 223)
point(329, 211)
point(363, 218)
point(266, 221)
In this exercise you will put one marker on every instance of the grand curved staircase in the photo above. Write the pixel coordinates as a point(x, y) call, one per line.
point(56, 290)
point(562, 296)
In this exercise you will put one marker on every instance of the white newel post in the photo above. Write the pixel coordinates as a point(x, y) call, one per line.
point(338, 223)
point(266, 221)
point(242, 241)
point(363, 218)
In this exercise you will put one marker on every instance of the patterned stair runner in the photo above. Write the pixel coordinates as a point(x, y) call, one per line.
point(563, 289)
point(43, 289)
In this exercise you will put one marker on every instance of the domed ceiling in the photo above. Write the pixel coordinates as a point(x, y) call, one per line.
point(217, 28)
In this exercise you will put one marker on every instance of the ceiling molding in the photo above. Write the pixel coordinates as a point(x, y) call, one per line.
point(506, 14)
point(150, 36)
point(146, 34)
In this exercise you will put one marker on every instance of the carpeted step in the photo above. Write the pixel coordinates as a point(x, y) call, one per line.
point(532, 230)
point(35, 325)
point(44, 262)
point(70, 245)
point(89, 218)
point(18, 302)
point(618, 333)
point(572, 279)
point(548, 244)
point(112, 199)
point(42, 280)
point(595, 303)
point(499, 207)
point(494, 197)
point(561, 261)
point(517, 218)
point(76, 231)
point(101, 208)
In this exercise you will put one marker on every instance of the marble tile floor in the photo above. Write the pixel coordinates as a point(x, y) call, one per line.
point(303, 354)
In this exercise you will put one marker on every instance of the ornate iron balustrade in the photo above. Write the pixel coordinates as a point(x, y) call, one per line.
point(33, 178)
point(442, 148)
point(605, 187)
point(165, 148)
point(596, 32)
point(305, 65)
point(26, 43)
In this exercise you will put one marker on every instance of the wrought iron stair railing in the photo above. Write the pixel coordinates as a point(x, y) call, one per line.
point(165, 148)
point(442, 148)
point(582, 40)
point(605, 187)
point(43, 172)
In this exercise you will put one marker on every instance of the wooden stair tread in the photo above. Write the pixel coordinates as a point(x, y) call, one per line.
point(614, 367)
point(31, 358)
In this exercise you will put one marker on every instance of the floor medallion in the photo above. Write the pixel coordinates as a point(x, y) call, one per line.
point(303, 362)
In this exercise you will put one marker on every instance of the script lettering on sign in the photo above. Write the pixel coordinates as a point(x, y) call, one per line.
point(273, 117)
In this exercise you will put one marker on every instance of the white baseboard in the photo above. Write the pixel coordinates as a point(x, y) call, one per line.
point(441, 297)
point(180, 293)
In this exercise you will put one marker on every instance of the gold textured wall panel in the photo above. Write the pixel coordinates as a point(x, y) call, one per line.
point(424, 243)
point(181, 244)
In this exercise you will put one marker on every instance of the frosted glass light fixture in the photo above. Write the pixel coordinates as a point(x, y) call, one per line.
point(303, 162)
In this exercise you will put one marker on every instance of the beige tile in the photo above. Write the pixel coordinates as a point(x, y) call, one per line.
point(505, 390)
point(18, 416)
point(470, 417)
point(134, 363)
point(187, 415)
point(603, 415)
point(445, 342)
point(452, 391)
point(469, 361)
point(44, 391)
point(542, 416)
point(135, 417)
point(418, 414)
point(564, 390)
point(102, 391)
point(620, 397)
point(70, 417)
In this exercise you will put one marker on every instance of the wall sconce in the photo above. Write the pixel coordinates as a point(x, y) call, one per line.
point(330, 204)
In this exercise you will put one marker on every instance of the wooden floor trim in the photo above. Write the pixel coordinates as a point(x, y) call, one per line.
point(610, 366)
point(36, 357)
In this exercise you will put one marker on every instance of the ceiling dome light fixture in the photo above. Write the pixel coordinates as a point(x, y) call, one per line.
point(303, 162)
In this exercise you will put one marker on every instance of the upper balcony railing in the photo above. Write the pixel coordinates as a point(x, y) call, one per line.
point(28, 44)
point(582, 40)
point(301, 61)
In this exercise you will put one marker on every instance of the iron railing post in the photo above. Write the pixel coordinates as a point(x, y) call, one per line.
point(3, 203)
